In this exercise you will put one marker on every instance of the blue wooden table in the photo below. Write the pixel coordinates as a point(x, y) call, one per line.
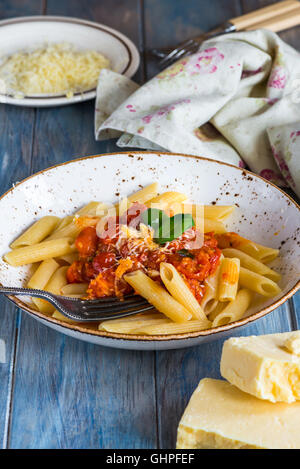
point(57, 392)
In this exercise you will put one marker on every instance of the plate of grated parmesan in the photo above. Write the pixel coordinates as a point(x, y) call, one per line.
point(52, 60)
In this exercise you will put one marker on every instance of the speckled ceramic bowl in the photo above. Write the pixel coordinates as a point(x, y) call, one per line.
point(263, 213)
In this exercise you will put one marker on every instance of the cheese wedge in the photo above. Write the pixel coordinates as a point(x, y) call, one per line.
point(266, 366)
point(220, 416)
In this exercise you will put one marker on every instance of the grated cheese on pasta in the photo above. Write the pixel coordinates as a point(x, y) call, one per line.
point(55, 69)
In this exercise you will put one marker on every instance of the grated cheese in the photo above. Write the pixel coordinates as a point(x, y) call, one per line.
point(55, 69)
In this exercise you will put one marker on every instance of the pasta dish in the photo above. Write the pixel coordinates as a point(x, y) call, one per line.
point(175, 253)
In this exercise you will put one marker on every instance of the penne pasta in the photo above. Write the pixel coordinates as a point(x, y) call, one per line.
point(218, 212)
point(157, 296)
point(39, 252)
point(127, 327)
point(70, 230)
point(258, 283)
point(102, 209)
point(228, 279)
point(57, 315)
point(57, 281)
point(177, 287)
point(210, 298)
point(235, 310)
point(252, 264)
point(209, 305)
point(142, 197)
point(68, 258)
point(36, 232)
point(217, 310)
point(54, 285)
point(85, 221)
point(212, 212)
point(136, 317)
point(171, 328)
point(63, 222)
point(32, 268)
point(166, 200)
point(196, 210)
point(261, 253)
point(43, 274)
point(89, 210)
point(209, 225)
point(74, 289)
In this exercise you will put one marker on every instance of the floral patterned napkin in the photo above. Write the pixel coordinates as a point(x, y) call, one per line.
point(236, 100)
point(285, 144)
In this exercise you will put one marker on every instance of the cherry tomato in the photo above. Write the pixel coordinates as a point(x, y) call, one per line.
point(74, 272)
point(104, 260)
point(87, 241)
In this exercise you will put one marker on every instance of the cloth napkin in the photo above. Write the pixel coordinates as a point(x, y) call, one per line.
point(236, 100)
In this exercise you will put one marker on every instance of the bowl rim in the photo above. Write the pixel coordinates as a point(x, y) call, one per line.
point(122, 38)
point(155, 338)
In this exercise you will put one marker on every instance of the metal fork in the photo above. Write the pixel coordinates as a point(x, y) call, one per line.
point(276, 17)
point(87, 310)
point(190, 46)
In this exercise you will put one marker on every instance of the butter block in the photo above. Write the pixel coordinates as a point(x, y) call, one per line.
point(221, 416)
point(266, 366)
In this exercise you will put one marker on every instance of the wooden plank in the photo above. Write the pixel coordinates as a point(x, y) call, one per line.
point(295, 305)
point(74, 394)
point(11, 8)
point(16, 130)
point(16, 127)
point(7, 357)
point(169, 22)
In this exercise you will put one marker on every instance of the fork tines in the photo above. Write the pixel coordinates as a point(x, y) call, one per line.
point(113, 304)
point(186, 48)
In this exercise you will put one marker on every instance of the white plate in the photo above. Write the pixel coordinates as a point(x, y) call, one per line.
point(264, 214)
point(32, 32)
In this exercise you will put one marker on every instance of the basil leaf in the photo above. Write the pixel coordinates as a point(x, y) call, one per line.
point(185, 253)
point(166, 228)
point(155, 218)
point(182, 222)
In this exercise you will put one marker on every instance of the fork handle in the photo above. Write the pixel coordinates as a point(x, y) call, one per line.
point(29, 292)
point(279, 23)
point(22, 291)
point(264, 14)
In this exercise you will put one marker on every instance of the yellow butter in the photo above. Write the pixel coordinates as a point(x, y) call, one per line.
point(263, 366)
point(220, 416)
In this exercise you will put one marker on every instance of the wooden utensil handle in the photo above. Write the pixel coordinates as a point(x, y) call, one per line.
point(279, 23)
point(264, 14)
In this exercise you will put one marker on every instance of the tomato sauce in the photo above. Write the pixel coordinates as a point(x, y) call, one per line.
point(104, 259)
